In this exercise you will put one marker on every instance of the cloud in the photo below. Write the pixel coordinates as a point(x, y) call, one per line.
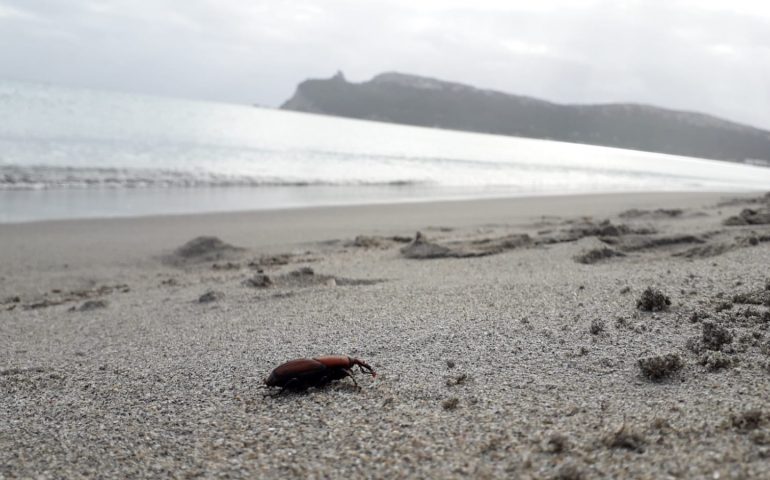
point(524, 48)
point(10, 13)
point(705, 55)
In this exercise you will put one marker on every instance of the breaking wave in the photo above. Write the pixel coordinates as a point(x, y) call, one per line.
point(40, 177)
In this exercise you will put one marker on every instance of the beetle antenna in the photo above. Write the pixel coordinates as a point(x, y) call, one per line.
point(367, 369)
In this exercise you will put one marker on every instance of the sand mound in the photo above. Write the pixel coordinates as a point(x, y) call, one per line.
point(305, 277)
point(422, 248)
point(750, 217)
point(211, 296)
point(633, 243)
point(90, 305)
point(202, 249)
point(588, 228)
point(375, 241)
point(655, 214)
point(706, 251)
point(596, 255)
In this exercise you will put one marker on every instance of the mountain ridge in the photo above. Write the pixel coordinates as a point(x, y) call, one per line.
point(396, 97)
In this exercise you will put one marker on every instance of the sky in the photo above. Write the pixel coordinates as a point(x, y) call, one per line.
point(706, 55)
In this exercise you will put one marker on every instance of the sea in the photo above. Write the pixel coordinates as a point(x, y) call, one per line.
point(70, 153)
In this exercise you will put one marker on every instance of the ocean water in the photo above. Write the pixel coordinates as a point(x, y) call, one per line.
point(75, 153)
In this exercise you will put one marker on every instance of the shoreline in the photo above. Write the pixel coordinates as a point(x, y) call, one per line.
point(632, 197)
point(33, 206)
point(109, 239)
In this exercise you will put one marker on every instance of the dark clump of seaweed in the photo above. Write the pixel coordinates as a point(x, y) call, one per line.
point(597, 326)
point(653, 300)
point(759, 297)
point(715, 336)
point(715, 361)
point(659, 367)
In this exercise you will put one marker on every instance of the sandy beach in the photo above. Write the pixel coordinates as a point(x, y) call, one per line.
point(593, 336)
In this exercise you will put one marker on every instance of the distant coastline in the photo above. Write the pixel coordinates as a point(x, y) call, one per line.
point(414, 100)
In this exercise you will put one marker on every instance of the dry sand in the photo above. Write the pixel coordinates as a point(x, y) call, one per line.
point(514, 351)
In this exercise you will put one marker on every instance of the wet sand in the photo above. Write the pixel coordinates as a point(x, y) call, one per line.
point(514, 337)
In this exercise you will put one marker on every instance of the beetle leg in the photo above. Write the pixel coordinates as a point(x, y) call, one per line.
point(321, 382)
point(350, 374)
point(290, 384)
point(270, 393)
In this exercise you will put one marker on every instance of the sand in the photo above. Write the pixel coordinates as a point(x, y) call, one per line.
point(538, 355)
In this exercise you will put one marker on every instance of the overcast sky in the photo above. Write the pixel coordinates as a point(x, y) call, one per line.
point(710, 56)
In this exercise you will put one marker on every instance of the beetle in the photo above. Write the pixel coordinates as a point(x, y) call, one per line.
point(302, 373)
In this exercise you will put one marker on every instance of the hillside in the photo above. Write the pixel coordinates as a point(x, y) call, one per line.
point(414, 100)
